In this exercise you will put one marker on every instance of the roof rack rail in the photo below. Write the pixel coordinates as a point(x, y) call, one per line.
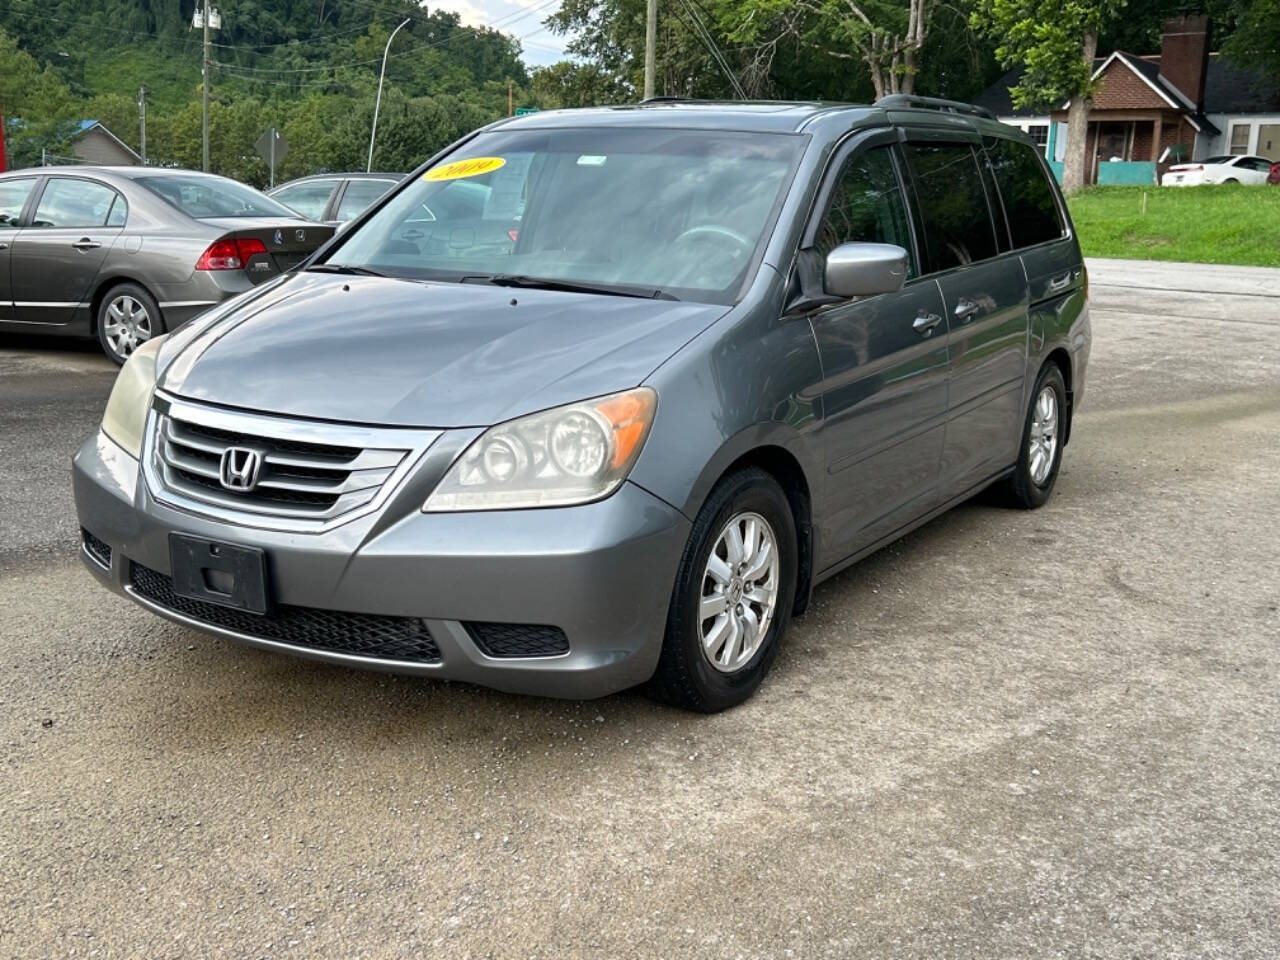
point(663, 98)
point(902, 101)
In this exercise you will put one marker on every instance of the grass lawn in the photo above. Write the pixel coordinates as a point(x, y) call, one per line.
point(1215, 224)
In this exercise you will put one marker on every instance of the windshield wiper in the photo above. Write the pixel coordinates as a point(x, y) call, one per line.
point(343, 268)
point(568, 286)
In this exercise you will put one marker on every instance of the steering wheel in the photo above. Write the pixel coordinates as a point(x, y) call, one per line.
point(711, 230)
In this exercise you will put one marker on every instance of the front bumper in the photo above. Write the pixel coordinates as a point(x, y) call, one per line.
point(601, 572)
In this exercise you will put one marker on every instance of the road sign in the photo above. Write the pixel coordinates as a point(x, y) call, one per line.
point(525, 111)
point(272, 147)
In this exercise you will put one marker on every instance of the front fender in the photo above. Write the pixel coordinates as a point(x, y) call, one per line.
point(749, 381)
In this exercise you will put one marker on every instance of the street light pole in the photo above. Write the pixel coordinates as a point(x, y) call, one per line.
point(204, 119)
point(142, 121)
point(378, 101)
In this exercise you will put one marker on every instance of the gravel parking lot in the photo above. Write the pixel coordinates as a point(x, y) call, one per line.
point(1013, 735)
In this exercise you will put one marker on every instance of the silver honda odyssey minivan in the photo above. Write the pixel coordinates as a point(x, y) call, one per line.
point(595, 398)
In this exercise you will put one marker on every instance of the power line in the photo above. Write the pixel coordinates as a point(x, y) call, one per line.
point(701, 31)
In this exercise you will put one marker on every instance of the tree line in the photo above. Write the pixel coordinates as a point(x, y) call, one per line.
point(309, 67)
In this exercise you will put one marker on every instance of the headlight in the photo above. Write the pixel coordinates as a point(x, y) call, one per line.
point(126, 414)
point(571, 454)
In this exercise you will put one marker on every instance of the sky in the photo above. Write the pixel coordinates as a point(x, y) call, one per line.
point(520, 18)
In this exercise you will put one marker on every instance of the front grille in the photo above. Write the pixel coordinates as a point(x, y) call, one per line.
point(299, 479)
point(509, 640)
point(98, 549)
point(358, 634)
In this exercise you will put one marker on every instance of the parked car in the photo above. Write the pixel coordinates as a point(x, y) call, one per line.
point(128, 253)
point(334, 198)
point(611, 425)
point(1248, 170)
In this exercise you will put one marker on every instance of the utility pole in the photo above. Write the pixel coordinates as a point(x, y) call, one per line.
point(650, 46)
point(204, 125)
point(378, 102)
point(142, 122)
point(511, 103)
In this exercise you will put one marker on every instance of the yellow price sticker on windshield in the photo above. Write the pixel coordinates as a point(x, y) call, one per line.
point(464, 168)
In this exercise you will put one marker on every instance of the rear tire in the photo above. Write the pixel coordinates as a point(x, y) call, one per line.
point(728, 615)
point(1040, 456)
point(128, 317)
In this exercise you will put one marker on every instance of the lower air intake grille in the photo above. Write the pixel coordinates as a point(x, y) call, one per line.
point(356, 634)
point(509, 640)
point(96, 548)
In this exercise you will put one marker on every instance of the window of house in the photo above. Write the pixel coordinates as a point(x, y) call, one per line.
point(1039, 132)
point(867, 206)
point(1240, 138)
point(953, 204)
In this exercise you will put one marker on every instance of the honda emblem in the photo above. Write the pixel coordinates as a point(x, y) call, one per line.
point(240, 468)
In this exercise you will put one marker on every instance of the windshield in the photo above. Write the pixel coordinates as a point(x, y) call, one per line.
point(681, 212)
point(1218, 160)
point(207, 197)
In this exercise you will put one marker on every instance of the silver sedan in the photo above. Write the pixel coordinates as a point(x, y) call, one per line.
point(128, 253)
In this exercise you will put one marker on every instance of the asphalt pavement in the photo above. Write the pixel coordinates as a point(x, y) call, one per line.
point(1010, 735)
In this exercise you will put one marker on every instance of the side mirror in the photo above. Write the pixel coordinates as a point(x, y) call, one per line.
point(865, 269)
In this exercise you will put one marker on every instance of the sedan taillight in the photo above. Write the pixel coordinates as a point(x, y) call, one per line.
point(230, 254)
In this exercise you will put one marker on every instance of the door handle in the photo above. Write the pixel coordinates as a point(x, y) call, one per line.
point(925, 323)
point(84, 243)
point(3, 245)
point(965, 310)
point(1058, 284)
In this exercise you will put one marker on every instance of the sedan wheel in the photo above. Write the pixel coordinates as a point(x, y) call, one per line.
point(128, 325)
point(127, 318)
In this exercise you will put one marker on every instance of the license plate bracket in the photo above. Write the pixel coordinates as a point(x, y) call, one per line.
point(215, 572)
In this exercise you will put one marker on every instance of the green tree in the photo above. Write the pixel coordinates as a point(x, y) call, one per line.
point(1255, 43)
point(569, 84)
point(887, 36)
point(1055, 42)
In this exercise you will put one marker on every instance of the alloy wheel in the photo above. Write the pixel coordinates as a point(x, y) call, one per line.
point(128, 324)
point(1043, 443)
point(739, 592)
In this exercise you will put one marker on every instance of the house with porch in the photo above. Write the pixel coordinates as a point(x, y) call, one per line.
point(1151, 110)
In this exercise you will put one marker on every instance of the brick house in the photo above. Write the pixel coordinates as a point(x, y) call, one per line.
point(1148, 111)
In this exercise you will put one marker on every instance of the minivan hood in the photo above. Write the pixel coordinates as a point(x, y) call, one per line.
point(408, 353)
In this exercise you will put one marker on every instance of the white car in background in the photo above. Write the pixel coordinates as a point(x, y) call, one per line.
point(1248, 170)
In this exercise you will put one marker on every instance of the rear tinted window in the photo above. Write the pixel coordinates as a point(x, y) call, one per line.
point(207, 197)
point(953, 205)
point(1028, 199)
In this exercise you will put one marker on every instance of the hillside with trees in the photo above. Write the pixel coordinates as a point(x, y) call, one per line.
point(309, 67)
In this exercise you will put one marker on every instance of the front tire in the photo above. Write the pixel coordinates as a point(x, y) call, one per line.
point(733, 595)
point(128, 317)
point(1040, 456)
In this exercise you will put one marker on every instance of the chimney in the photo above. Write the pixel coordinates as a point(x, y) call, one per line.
point(1184, 55)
